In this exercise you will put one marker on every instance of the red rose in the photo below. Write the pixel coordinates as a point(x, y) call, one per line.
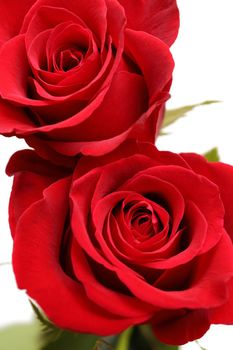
point(82, 76)
point(135, 236)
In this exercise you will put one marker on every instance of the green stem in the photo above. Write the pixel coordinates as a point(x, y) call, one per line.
point(5, 263)
point(201, 347)
point(124, 340)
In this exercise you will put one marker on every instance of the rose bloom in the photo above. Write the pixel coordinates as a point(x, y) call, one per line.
point(135, 236)
point(82, 76)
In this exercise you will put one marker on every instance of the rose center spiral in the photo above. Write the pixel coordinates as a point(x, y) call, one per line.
point(69, 59)
point(142, 220)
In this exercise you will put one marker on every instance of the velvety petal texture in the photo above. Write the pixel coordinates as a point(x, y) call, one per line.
point(84, 76)
point(149, 16)
point(134, 236)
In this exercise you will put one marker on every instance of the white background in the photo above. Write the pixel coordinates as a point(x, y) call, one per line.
point(204, 56)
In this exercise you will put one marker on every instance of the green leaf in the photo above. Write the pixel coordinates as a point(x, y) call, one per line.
point(72, 341)
point(49, 332)
point(53, 338)
point(212, 155)
point(171, 116)
point(162, 346)
point(20, 337)
point(40, 316)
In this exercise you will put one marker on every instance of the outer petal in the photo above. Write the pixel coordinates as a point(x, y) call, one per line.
point(118, 110)
point(12, 13)
point(153, 58)
point(32, 176)
point(181, 326)
point(129, 148)
point(14, 70)
point(29, 161)
point(224, 314)
point(13, 120)
point(157, 17)
point(222, 175)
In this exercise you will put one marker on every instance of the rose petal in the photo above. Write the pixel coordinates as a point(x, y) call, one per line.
point(224, 313)
point(13, 120)
point(185, 180)
point(157, 17)
point(29, 161)
point(48, 17)
point(123, 104)
point(158, 189)
point(208, 265)
point(14, 63)
point(32, 175)
point(153, 59)
point(119, 304)
point(220, 174)
point(190, 242)
point(182, 326)
point(92, 13)
point(12, 22)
